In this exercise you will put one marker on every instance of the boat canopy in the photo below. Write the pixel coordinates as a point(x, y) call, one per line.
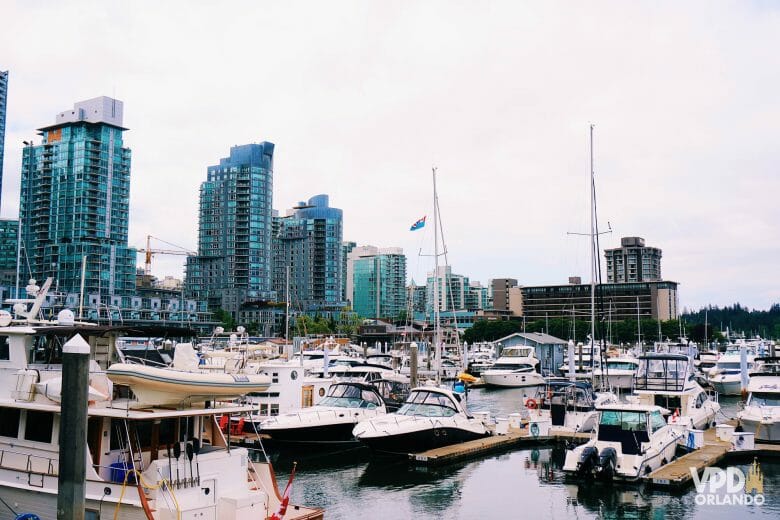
point(662, 373)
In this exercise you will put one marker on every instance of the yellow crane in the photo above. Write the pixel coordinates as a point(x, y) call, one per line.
point(149, 252)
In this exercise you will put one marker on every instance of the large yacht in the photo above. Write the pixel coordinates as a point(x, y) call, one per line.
point(145, 461)
point(616, 373)
point(516, 367)
point(761, 414)
point(430, 418)
point(668, 380)
point(726, 376)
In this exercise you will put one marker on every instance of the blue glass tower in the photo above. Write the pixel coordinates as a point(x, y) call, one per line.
point(234, 260)
point(3, 105)
point(308, 241)
point(75, 202)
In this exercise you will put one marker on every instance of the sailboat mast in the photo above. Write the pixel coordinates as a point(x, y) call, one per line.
point(592, 248)
point(436, 315)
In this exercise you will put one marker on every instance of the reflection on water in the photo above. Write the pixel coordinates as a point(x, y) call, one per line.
point(519, 484)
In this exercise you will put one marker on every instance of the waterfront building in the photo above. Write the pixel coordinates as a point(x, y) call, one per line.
point(416, 299)
point(308, 242)
point(74, 203)
point(346, 249)
point(499, 289)
point(478, 297)
point(633, 262)
point(234, 260)
point(376, 281)
point(452, 290)
point(9, 241)
point(3, 109)
point(622, 301)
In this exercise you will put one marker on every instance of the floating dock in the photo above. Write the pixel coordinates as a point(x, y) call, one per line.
point(512, 439)
point(677, 474)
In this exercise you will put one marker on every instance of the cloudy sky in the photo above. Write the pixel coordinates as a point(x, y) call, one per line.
point(362, 98)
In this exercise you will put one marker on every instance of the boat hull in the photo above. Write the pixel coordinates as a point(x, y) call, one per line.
point(509, 379)
point(765, 431)
point(418, 441)
point(340, 433)
point(726, 386)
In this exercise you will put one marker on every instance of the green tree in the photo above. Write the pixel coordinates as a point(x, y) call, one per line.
point(227, 320)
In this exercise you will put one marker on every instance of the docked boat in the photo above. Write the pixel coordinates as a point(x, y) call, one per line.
point(761, 414)
point(430, 418)
point(583, 362)
point(516, 367)
point(140, 463)
point(616, 373)
point(331, 421)
point(184, 380)
point(726, 376)
point(632, 440)
point(569, 405)
point(667, 380)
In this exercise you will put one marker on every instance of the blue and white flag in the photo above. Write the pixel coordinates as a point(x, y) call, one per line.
point(417, 225)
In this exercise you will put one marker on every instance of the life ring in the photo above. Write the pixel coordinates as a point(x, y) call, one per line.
point(530, 403)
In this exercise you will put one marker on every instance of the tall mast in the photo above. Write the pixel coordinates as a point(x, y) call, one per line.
point(287, 307)
point(593, 256)
point(436, 316)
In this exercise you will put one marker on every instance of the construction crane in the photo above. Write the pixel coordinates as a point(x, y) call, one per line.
point(149, 252)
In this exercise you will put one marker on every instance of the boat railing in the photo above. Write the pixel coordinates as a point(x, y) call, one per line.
point(143, 361)
point(31, 463)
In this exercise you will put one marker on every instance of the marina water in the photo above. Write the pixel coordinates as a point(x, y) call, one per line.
point(524, 483)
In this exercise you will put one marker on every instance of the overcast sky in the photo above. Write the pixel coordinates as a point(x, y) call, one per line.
point(362, 98)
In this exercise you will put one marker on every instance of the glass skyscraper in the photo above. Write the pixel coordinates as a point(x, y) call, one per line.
point(377, 281)
point(3, 105)
point(234, 259)
point(74, 202)
point(308, 241)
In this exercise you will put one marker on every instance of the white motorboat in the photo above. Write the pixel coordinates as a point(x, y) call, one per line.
point(331, 421)
point(618, 374)
point(761, 414)
point(583, 362)
point(632, 440)
point(516, 367)
point(140, 464)
point(726, 376)
point(667, 380)
point(569, 405)
point(431, 417)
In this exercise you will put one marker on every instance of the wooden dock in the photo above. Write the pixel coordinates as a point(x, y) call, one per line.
point(514, 438)
point(677, 474)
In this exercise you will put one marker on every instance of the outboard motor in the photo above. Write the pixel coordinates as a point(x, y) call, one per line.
point(607, 463)
point(589, 460)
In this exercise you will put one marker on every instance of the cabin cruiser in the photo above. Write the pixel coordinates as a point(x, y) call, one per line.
point(632, 440)
point(143, 459)
point(331, 421)
point(569, 405)
point(430, 418)
point(761, 414)
point(516, 367)
point(667, 380)
point(726, 376)
point(618, 374)
point(583, 362)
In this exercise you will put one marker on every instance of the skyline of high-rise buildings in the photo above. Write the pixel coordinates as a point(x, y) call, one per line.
point(3, 109)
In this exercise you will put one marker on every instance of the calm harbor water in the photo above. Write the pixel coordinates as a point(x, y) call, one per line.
point(516, 484)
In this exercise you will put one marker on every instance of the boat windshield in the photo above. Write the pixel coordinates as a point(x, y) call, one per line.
point(428, 404)
point(628, 421)
point(661, 374)
point(621, 365)
point(731, 366)
point(512, 366)
point(347, 396)
point(764, 399)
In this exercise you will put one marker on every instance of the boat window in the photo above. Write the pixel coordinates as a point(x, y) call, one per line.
point(38, 426)
point(512, 366)
point(632, 421)
point(657, 421)
point(764, 399)
point(5, 354)
point(620, 365)
point(9, 422)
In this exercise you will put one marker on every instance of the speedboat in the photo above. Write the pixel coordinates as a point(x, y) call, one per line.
point(618, 374)
point(667, 380)
point(430, 418)
point(632, 440)
point(726, 376)
point(761, 414)
point(569, 405)
point(329, 422)
point(516, 367)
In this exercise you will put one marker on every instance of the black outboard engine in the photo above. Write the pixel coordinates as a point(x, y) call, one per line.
point(589, 460)
point(607, 463)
